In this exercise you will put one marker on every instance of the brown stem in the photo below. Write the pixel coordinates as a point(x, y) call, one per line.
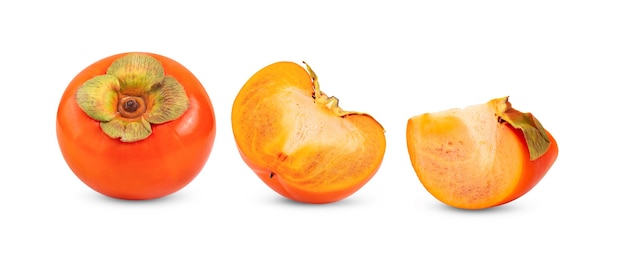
point(131, 106)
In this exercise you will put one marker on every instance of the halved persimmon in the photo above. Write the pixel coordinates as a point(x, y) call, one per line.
point(299, 141)
point(481, 156)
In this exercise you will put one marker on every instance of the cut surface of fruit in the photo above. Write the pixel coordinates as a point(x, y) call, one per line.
point(299, 141)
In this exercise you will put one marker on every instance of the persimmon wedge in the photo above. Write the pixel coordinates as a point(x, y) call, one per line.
point(481, 156)
point(299, 141)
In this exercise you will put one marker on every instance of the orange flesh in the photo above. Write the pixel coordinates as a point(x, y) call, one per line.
point(466, 158)
point(300, 148)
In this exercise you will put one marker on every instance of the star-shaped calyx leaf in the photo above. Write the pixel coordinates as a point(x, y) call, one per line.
point(535, 135)
point(133, 94)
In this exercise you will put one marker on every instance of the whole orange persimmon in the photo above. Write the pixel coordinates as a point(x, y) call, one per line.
point(135, 126)
point(481, 156)
point(299, 141)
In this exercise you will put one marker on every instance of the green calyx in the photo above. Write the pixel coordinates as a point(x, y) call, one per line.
point(133, 94)
point(535, 135)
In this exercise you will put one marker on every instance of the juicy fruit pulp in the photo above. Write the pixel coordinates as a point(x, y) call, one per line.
point(298, 141)
point(472, 158)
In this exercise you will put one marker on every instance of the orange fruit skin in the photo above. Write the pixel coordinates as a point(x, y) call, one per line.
point(520, 179)
point(533, 171)
point(262, 120)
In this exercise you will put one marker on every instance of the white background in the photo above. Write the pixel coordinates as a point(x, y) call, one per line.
point(564, 61)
